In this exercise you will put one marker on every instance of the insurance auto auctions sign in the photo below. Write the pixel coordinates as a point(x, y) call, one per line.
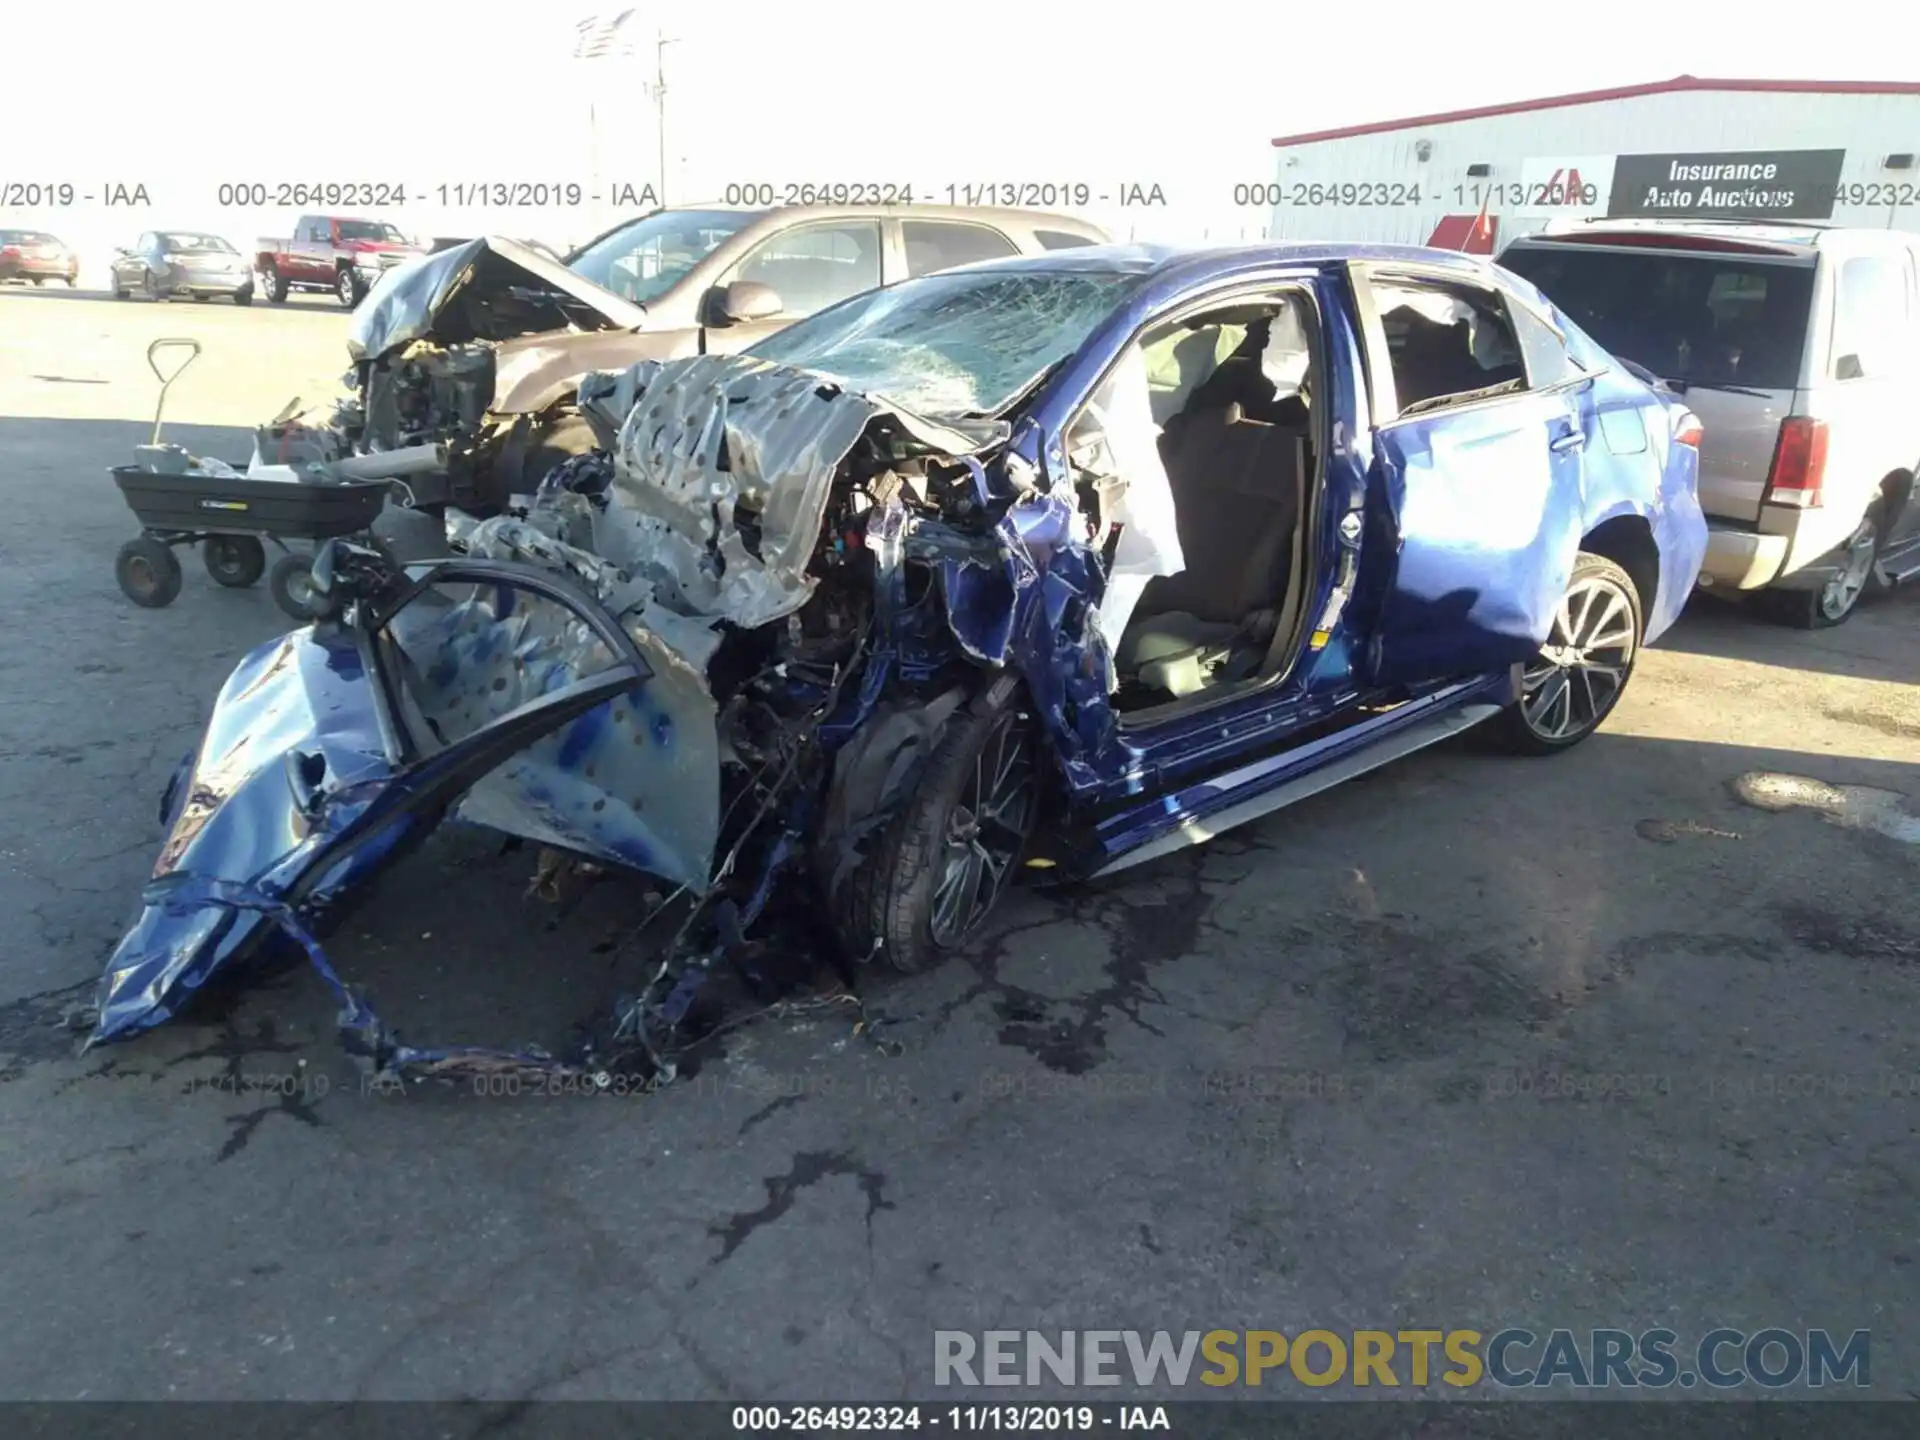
point(1750, 184)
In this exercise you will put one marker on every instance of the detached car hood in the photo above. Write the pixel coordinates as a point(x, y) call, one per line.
point(492, 289)
point(551, 682)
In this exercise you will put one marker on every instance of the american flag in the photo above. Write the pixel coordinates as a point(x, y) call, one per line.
point(600, 36)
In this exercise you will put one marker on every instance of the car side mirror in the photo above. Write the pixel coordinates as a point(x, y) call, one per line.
point(748, 300)
point(1850, 367)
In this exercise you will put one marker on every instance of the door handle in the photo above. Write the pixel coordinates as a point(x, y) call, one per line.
point(1572, 440)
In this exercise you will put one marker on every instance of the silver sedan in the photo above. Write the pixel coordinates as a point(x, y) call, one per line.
point(168, 263)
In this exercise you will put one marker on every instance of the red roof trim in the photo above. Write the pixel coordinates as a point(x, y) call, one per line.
point(1621, 92)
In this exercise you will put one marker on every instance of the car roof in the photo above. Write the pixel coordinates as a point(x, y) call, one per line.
point(1037, 219)
point(1199, 261)
point(1806, 238)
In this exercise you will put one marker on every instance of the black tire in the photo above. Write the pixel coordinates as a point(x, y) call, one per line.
point(276, 286)
point(1529, 725)
point(235, 561)
point(118, 293)
point(290, 582)
point(243, 297)
point(893, 901)
point(148, 572)
point(347, 288)
point(1834, 603)
point(39, 281)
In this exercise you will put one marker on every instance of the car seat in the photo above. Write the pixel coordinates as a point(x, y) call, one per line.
point(1239, 488)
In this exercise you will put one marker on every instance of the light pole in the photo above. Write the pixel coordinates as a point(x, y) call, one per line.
point(660, 107)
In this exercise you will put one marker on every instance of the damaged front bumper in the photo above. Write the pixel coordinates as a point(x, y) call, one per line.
point(317, 771)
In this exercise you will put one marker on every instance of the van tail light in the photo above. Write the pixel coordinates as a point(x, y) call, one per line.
point(1687, 428)
point(1799, 463)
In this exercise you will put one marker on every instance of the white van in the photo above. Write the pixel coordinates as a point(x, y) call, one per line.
point(1798, 346)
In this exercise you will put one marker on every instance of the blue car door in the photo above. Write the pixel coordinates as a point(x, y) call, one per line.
point(1475, 496)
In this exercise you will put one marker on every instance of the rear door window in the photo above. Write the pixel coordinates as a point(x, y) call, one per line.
point(1448, 344)
point(1548, 363)
point(1061, 239)
point(1705, 318)
point(940, 245)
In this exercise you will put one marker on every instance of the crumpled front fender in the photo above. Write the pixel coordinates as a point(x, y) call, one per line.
point(296, 797)
point(294, 750)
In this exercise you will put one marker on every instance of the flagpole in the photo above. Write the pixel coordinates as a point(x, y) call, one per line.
point(593, 160)
point(660, 106)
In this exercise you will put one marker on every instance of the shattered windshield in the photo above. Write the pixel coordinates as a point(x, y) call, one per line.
point(644, 260)
point(960, 343)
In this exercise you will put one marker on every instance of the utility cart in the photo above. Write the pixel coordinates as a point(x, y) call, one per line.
point(180, 500)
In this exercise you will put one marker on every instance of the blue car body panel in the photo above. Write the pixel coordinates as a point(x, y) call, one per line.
point(1439, 546)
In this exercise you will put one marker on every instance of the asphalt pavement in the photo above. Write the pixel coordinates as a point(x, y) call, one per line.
point(1475, 1042)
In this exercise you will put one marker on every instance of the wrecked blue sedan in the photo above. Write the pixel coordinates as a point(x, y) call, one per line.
point(1046, 566)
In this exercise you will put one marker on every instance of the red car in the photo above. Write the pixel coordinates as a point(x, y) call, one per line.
point(331, 252)
point(37, 256)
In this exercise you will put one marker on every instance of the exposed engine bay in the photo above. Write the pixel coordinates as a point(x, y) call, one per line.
point(771, 554)
point(464, 368)
point(804, 585)
point(426, 394)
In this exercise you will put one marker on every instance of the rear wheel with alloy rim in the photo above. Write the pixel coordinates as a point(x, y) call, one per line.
point(1834, 601)
point(936, 871)
point(1578, 676)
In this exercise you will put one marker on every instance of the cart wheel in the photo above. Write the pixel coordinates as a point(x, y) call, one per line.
point(291, 581)
point(235, 561)
point(148, 573)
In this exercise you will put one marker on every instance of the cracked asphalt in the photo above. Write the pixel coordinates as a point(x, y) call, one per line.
point(1474, 1042)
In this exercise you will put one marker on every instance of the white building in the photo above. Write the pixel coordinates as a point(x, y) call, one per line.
point(1841, 152)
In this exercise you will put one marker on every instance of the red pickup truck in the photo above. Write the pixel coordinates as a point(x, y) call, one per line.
point(331, 252)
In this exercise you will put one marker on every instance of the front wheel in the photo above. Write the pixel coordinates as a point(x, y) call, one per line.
point(347, 288)
point(276, 286)
point(1578, 676)
point(940, 865)
point(243, 297)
